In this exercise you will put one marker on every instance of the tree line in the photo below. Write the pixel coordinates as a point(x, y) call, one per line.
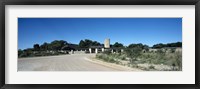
point(160, 45)
point(57, 45)
point(39, 50)
point(88, 43)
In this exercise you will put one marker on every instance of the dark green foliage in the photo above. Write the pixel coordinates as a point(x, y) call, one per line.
point(54, 47)
point(95, 43)
point(140, 45)
point(27, 52)
point(160, 45)
point(87, 43)
point(82, 44)
point(118, 45)
point(44, 49)
point(57, 44)
point(151, 67)
point(44, 46)
point(135, 45)
point(36, 47)
point(20, 52)
point(177, 44)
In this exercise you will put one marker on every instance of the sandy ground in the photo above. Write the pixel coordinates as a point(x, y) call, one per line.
point(75, 62)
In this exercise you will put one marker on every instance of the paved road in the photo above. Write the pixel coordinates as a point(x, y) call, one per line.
point(75, 62)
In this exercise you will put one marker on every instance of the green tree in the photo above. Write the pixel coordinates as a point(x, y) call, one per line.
point(95, 43)
point(20, 52)
point(82, 44)
point(28, 52)
point(118, 45)
point(57, 44)
point(177, 44)
point(140, 45)
point(146, 47)
point(160, 45)
point(44, 46)
point(87, 43)
point(36, 47)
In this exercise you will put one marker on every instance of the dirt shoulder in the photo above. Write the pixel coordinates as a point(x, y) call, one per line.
point(111, 65)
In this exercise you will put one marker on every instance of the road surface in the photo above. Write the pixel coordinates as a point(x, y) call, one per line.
point(74, 62)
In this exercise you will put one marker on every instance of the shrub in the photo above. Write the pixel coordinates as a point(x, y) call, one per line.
point(133, 53)
point(123, 58)
point(151, 67)
point(107, 52)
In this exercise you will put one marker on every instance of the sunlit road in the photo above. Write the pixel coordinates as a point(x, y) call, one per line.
point(75, 62)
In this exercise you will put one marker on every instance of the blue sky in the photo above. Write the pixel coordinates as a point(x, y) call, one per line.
point(148, 31)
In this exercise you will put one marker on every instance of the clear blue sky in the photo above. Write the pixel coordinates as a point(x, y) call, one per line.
point(148, 31)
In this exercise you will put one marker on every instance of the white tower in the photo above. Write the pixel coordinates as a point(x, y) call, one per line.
point(107, 43)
